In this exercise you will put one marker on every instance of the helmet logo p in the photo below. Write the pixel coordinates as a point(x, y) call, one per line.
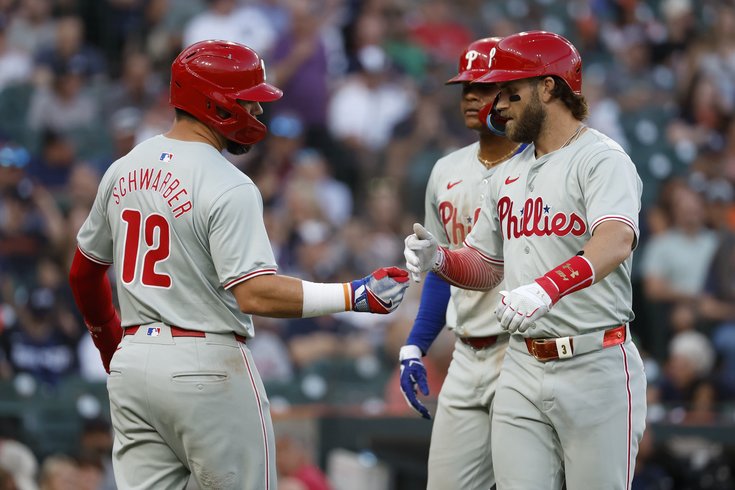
point(471, 56)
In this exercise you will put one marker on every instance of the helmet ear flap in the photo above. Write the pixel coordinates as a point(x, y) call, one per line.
point(489, 116)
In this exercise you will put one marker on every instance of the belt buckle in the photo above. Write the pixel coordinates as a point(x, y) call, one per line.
point(534, 353)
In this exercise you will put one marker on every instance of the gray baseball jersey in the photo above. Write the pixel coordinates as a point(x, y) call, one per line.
point(455, 192)
point(541, 212)
point(460, 437)
point(576, 420)
point(182, 225)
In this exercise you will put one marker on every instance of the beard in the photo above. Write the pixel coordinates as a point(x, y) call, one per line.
point(237, 148)
point(527, 128)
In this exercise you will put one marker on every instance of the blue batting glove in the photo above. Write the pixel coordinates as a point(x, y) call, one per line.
point(413, 375)
point(380, 292)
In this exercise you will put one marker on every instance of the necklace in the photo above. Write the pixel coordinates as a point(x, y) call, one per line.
point(491, 163)
point(574, 135)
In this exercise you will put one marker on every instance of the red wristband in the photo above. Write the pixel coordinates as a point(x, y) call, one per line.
point(570, 276)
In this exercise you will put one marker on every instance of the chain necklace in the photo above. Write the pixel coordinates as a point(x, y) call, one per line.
point(491, 163)
point(574, 135)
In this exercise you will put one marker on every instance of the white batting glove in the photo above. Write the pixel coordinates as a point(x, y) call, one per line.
point(421, 252)
point(519, 309)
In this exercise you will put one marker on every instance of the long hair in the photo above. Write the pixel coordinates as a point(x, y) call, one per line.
point(577, 104)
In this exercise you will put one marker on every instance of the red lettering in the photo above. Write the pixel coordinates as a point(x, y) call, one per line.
point(133, 181)
point(175, 197)
point(178, 211)
point(114, 194)
point(145, 178)
point(171, 188)
point(536, 220)
point(122, 186)
point(165, 180)
point(446, 210)
point(154, 186)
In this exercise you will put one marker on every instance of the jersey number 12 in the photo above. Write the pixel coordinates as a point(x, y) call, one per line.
point(156, 250)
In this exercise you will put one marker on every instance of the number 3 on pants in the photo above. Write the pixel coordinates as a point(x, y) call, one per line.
point(157, 241)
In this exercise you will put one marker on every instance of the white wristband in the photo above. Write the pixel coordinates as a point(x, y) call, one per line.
point(409, 352)
point(325, 298)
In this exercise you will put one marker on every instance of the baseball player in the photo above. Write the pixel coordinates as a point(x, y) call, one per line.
point(459, 455)
point(559, 223)
point(184, 229)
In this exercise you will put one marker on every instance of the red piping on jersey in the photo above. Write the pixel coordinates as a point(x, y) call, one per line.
point(485, 257)
point(262, 418)
point(630, 413)
point(614, 217)
point(95, 260)
point(249, 275)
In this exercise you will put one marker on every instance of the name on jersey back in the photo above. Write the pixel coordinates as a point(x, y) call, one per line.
point(151, 179)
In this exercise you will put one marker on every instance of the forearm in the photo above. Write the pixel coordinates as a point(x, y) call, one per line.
point(466, 269)
point(92, 290)
point(271, 295)
point(93, 295)
point(610, 245)
point(431, 317)
point(287, 297)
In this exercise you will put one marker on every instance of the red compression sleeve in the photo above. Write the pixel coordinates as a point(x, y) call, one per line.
point(93, 296)
point(467, 269)
point(570, 276)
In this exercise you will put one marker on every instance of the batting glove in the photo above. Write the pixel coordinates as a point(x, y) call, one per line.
point(413, 375)
point(380, 292)
point(519, 309)
point(422, 252)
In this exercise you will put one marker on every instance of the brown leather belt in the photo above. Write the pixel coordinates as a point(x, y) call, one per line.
point(479, 343)
point(182, 332)
point(553, 349)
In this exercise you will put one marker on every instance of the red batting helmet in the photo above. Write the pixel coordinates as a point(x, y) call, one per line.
point(209, 77)
point(535, 54)
point(473, 61)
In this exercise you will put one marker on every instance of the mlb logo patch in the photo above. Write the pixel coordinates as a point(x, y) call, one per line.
point(166, 157)
point(153, 331)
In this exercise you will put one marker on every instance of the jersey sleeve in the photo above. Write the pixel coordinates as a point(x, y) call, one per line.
point(612, 191)
point(486, 236)
point(432, 221)
point(238, 239)
point(95, 236)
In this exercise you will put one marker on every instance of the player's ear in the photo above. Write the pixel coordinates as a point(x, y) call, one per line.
point(546, 86)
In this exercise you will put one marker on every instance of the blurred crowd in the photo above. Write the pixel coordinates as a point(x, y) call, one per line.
point(343, 171)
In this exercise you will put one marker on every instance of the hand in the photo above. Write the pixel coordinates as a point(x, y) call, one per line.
point(106, 338)
point(421, 252)
point(519, 309)
point(380, 292)
point(413, 375)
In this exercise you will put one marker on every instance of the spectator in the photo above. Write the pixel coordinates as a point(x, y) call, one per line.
point(59, 472)
point(15, 65)
point(294, 463)
point(39, 345)
point(69, 53)
point(32, 27)
point(20, 463)
point(66, 106)
point(224, 19)
point(301, 66)
point(675, 263)
point(334, 197)
point(688, 371)
point(364, 110)
point(138, 86)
